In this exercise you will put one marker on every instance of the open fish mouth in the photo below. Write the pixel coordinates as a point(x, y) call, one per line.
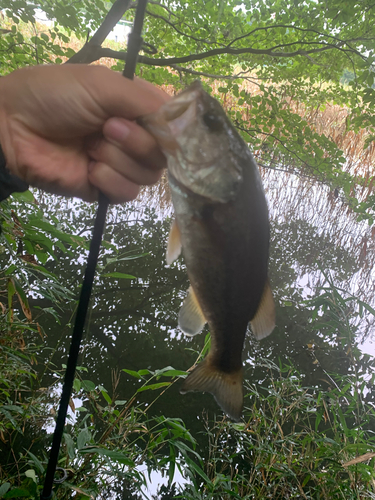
point(172, 119)
point(194, 133)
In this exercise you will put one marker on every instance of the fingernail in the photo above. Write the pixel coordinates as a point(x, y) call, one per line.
point(116, 130)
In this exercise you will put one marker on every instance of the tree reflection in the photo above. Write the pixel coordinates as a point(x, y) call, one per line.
point(132, 322)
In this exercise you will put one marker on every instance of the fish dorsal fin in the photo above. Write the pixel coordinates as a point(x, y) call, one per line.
point(264, 320)
point(174, 243)
point(191, 319)
point(226, 387)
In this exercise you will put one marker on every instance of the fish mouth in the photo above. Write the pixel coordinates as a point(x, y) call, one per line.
point(174, 109)
point(172, 118)
point(185, 115)
point(196, 156)
point(182, 111)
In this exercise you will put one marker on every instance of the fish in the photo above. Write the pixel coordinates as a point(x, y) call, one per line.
point(221, 227)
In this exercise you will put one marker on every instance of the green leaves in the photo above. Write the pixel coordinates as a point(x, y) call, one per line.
point(285, 54)
point(153, 387)
point(83, 438)
point(17, 493)
point(135, 374)
point(4, 488)
point(119, 276)
point(113, 455)
point(169, 371)
point(88, 385)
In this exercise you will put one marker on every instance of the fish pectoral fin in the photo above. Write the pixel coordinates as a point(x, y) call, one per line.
point(174, 243)
point(225, 387)
point(264, 320)
point(191, 319)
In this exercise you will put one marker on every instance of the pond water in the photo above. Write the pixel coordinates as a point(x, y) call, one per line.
point(132, 322)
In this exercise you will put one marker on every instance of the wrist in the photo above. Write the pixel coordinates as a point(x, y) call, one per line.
point(4, 135)
point(9, 183)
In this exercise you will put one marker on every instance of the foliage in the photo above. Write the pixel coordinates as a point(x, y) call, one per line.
point(299, 441)
point(106, 440)
point(296, 442)
point(264, 61)
point(105, 437)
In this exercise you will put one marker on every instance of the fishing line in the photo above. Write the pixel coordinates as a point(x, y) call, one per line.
point(134, 46)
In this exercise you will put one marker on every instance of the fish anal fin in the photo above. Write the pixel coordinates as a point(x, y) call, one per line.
point(174, 243)
point(225, 387)
point(191, 319)
point(264, 320)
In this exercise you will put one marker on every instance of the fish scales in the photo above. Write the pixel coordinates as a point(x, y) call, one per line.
point(221, 224)
point(224, 261)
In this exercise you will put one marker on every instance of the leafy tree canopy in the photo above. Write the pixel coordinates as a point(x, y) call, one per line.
point(276, 66)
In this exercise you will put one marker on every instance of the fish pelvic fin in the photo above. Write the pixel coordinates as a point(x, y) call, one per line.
point(191, 319)
point(264, 320)
point(174, 243)
point(225, 387)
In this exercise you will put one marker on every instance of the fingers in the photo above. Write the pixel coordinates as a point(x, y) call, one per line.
point(115, 186)
point(125, 165)
point(128, 150)
point(135, 141)
point(126, 157)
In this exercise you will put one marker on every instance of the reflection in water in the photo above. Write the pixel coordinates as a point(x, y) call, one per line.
point(132, 323)
point(292, 198)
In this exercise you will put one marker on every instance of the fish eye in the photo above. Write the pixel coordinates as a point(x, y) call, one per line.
point(212, 121)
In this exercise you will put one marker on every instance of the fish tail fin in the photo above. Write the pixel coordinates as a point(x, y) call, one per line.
point(226, 387)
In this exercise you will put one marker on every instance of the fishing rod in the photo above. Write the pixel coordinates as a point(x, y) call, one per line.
point(134, 45)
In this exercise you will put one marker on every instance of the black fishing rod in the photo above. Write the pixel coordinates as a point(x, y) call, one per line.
point(134, 46)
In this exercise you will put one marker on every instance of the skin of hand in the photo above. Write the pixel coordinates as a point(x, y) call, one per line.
point(70, 130)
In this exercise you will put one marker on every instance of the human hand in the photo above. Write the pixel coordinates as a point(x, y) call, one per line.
point(70, 130)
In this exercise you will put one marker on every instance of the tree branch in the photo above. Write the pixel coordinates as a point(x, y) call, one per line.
point(286, 26)
point(88, 51)
point(171, 13)
point(99, 52)
point(240, 75)
point(157, 16)
point(245, 50)
point(314, 170)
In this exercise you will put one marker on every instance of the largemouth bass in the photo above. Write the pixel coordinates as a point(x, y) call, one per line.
point(221, 225)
